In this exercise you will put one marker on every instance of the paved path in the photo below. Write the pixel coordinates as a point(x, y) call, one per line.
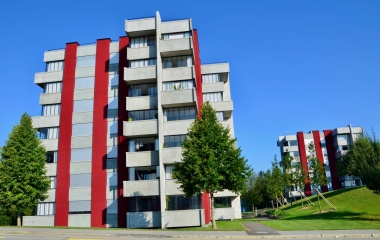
point(255, 228)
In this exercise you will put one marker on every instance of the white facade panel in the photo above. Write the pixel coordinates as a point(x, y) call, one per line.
point(79, 194)
point(79, 220)
point(55, 55)
point(38, 221)
point(144, 158)
point(143, 219)
point(50, 98)
point(45, 121)
point(141, 188)
point(176, 26)
point(140, 103)
point(184, 218)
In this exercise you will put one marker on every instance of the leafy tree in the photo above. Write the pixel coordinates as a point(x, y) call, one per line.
point(363, 160)
point(249, 195)
point(256, 192)
point(23, 178)
point(211, 162)
point(276, 181)
point(317, 171)
point(286, 165)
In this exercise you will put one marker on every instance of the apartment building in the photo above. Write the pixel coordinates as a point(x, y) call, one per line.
point(330, 145)
point(114, 114)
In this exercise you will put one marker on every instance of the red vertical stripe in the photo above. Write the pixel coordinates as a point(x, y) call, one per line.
point(318, 151)
point(198, 84)
point(99, 135)
point(64, 141)
point(332, 159)
point(122, 172)
point(303, 157)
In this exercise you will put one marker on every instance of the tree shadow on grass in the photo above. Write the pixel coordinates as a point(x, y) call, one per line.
point(334, 215)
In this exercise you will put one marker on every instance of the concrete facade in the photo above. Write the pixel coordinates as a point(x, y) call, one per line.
point(330, 145)
point(113, 130)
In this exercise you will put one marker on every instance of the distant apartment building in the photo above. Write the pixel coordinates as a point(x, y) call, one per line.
point(330, 145)
point(114, 115)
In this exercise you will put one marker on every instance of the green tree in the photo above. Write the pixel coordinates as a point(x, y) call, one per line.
point(276, 181)
point(317, 171)
point(286, 165)
point(23, 179)
point(249, 195)
point(363, 160)
point(211, 162)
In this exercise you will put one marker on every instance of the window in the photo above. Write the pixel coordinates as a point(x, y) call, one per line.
point(143, 144)
point(55, 87)
point(145, 174)
point(142, 115)
point(48, 133)
point(85, 82)
point(222, 202)
point(213, 97)
point(82, 129)
point(80, 207)
point(149, 41)
point(178, 85)
point(51, 110)
point(53, 182)
point(54, 66)
point(80, 180)
point(86, 61)
point(142, 63)
point(83, 105)
point(142, 90)
point(174, 140)
point(294, 154)
point(81, 154)
point(220, 116)
point(168, 36)
point(211, 78)
point(168, 171)
point(45, 208)
point(144, 204)
point(181, 61)
point(180, 202)
point(52, 157)
point(182, 113)
point(293, 143)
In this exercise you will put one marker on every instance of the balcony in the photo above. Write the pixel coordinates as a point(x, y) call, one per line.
point(50, 144)
point(178, 98)
point(38, 221)
point(176, 26)
point(50, 196)
point(46, 77)
point(145, 158)
point(140, 128)
point(172, 188)
point(142, 102)
point(141, 53)
point(222, 106)
point(140, 75)
point(51, 169)
point(222, 68)
point(50, 98)
point(151, 219)
point(213, 87)
point(179, 73)
point(171, 155)
point(140, 27)
point(224, 213)
point(177, 127)
point(45, 121)
point(184, 218)
point(54, 55)
point(141, 188)
point(225, 193)
point(176, 47)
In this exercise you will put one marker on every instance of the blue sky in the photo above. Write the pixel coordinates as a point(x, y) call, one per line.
point(295, 65)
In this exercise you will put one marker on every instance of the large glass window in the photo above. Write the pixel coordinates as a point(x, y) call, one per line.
point(54, 66)
point(142, 90)
point(142, 63)
point(80, 180)
point(80, 207)
point(84, 105)
point(213, 97)
point(54, 87)
point(51, 110)
point(180, 202)
point(181, 61)
point(168, 171)
point(179, 35)
point(148, 41)
point(182, 113)
point(178, 85)
point(222, 202)
point(84, 82)
point(211, 78)
point(220, 116)
point(52, 157)
point(174, 140)
point(144, 204)
point(48, 133)
point(143, 144)
point(142, 115)
point(81, 154)
point(86, 61)
point(45, 208)
point(82, 129)
point(53, 182)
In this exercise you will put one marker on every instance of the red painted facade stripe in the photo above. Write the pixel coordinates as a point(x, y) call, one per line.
point(64, 141)
point(332, 159)
point(303, 158)
point(122, 172)
point(318, 151)
point(198, 88)
point(99, 135)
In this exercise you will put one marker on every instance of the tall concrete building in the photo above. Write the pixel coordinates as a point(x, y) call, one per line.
point(114, 114)
point(330, 145)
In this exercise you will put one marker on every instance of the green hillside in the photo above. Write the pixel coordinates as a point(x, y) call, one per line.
point(357, 208)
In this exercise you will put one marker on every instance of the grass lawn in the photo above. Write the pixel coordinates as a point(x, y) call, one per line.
point(357, 208)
